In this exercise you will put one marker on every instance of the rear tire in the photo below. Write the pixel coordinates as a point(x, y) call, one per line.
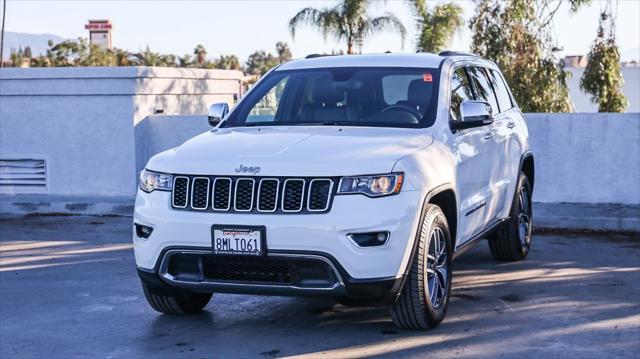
point(182, 303)
point(512, 240)
point(423, 301)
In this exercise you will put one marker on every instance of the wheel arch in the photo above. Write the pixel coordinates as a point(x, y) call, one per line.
point(445, 197)
point(527, 166)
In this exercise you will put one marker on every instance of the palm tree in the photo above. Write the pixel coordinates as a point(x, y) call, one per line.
point(201, 54)
point(185, 61)
point(347, 20)
point(123, 57)
point(436, 26)
point(148, 58)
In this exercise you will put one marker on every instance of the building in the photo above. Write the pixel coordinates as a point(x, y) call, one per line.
point(575, 61)
point(100, 33)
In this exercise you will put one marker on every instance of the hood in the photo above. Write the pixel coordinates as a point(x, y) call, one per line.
point(292, 151)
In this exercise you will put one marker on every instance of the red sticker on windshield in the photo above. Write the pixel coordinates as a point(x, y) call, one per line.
point(427, 77)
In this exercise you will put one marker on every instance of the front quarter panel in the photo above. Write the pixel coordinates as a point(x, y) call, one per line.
point(428, 168)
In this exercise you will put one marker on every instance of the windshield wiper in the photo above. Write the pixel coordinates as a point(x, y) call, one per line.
point(326, 123)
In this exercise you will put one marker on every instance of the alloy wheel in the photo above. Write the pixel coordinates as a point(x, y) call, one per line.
point(437, 268)
point(524, 217)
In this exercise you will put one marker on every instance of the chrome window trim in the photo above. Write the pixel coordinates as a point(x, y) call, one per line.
point(328, 195)
point(284, 188)
point(173, 192)
point(235, 194)
point(193, 186)
point(213, 194)
point(275, 206)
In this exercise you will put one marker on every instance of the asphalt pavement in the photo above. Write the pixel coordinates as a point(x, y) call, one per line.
point(68, 289)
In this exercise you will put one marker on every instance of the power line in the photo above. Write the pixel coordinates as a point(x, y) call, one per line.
point(4, 12)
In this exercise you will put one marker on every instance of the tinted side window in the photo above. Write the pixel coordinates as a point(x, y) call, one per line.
point(504, 100)
point(483, 88)
point(460, 90)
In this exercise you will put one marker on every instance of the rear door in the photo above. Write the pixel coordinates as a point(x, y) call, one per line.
point(508, 146)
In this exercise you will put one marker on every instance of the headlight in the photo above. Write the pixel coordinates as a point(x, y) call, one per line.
point(372, 186)
point(150, 181)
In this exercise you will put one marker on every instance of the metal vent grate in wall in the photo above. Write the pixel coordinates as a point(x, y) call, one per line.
point(23, 176)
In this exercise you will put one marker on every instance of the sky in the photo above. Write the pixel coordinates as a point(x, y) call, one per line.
point(241, 27)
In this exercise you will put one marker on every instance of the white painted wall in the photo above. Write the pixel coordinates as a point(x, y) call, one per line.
point(96, 129)
point(158, 133)
point(83, 121)
point(586, 158)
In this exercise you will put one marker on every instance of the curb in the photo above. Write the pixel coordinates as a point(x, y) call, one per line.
point(66, 205)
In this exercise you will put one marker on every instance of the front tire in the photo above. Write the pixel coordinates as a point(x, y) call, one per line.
point(423, 301)
point(178, 303)
point(512, 240)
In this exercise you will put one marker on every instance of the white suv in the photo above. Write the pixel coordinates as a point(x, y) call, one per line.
point(356, 177)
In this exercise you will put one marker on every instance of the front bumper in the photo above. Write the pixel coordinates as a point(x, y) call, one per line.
point(360, 272)
point(283, 274)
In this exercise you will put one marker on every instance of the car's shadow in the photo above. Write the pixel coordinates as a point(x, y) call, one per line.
point(531, 303)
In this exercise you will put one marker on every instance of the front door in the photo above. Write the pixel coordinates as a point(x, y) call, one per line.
point(471, 151)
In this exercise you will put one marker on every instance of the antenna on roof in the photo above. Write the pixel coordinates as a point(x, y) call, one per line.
point(313, 56)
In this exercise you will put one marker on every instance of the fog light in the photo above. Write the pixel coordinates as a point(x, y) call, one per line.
point(143, 231)
point(371, 239)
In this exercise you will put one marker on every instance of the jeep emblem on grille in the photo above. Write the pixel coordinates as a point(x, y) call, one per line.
point(244, 169)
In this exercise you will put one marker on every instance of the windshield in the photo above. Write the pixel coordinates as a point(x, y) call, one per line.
point(386, 97)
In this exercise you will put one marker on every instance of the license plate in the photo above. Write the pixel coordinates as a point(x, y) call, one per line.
point(231, 240)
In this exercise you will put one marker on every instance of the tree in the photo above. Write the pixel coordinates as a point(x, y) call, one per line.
point(602, 77)
point(228, 62)
point(348, 20)
point(27, 52)
point(515, 35)
point(148, 58)
point(185, 61)
point(436, 27)
point(201, 54)
point(260, 62)
point(16, 57)
point(284, 53)
point(122, 57)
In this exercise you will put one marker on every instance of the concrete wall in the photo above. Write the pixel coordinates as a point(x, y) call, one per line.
point(96, 128)
point(586, 158)
point(84, 121)
point(582, 101)
point(162, 132)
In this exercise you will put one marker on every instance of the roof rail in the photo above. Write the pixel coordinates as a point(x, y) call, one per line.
point(455, 53)
point(313, 56)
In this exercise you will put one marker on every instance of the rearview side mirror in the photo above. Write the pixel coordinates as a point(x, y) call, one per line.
point(473, 114)
point(217, 111)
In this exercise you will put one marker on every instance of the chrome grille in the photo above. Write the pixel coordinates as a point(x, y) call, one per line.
point(253, 194)
point(244, 194)
point(200, 193)
point(222, 194)
point(319, 194)
point(180, 192)
point(268, 195)
point(292, 196)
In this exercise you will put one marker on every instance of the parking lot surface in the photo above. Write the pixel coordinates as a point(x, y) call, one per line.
point(68, 289)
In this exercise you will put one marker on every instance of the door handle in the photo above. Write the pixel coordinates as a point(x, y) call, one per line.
point(511, 125)
point(488, 135)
